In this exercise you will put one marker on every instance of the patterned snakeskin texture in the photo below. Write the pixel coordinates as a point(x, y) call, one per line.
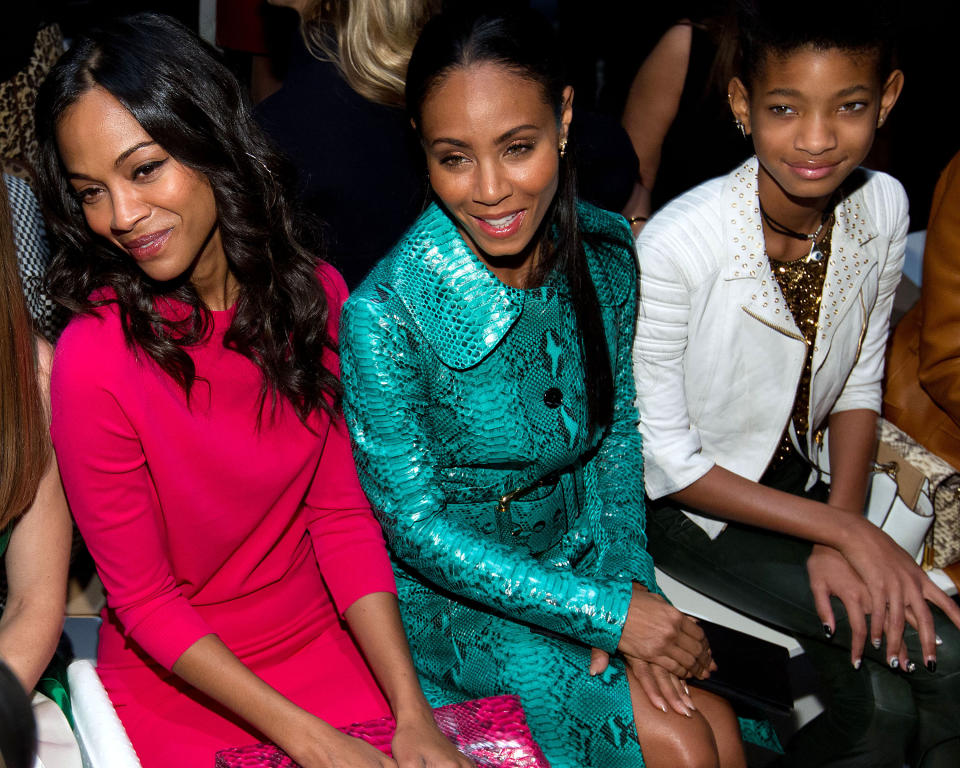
point(460, 390)
point(493, 732)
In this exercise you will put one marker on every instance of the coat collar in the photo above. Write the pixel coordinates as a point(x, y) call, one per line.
point(463, 310)
point(849, 261)
point(458, 304)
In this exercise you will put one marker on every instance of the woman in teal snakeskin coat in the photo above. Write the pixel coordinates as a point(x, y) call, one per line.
point(489, 393)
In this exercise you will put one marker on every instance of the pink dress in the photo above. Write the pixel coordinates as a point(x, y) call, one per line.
point(200, 523)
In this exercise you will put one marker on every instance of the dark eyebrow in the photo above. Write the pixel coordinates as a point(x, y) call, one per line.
point(851, 91)
point(445, 140)
point(792, 93)
point(783, 92)
point(127, 152)
point(500, 139)
point(513, 131)
point(119, 161)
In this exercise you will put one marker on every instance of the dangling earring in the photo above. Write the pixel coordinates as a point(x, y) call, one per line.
point(563, 146)
point(879, 120)
point(740, 127)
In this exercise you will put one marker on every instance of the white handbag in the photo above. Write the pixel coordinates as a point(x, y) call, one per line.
point(899, 497)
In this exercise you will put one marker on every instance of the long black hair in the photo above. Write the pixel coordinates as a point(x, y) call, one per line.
point(193, 107)
point(522, 41)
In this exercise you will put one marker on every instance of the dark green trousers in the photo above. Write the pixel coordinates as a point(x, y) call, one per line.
point(875, 716)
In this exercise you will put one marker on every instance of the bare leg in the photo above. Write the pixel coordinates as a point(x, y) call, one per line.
point(709, 738)
point(723, 722)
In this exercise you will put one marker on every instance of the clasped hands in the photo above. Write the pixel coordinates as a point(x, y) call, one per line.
point(662, 647)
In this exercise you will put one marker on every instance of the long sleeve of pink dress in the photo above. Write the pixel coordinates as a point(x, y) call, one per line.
point(200, 522)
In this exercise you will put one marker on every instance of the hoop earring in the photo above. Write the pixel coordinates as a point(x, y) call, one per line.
point(563, 146)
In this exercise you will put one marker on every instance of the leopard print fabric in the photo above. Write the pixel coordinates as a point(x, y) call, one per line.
point(18, 137)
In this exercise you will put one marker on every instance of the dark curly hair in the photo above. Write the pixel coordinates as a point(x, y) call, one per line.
point(194, 108)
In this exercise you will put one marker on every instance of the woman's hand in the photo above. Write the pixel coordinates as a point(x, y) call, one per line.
point(662, 688)
point(375, 622)
point(899, 591)
point(320, 746)
point(656, 632)
point(418, 743)
point(831, 574)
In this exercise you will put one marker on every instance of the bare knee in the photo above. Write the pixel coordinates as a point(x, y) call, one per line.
point(676, 749)
point(725, 727)
point(670, 740)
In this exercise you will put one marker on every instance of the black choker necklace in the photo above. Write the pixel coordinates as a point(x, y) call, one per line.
point(782, 229)
point(815, 253)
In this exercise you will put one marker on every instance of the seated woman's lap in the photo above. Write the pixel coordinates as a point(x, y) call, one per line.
point(763, 574)
point(170, 723)
point(577, 719)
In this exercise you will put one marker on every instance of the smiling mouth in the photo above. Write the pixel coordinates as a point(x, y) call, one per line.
point(813, 171)
point(501, 226)
point(148, 245)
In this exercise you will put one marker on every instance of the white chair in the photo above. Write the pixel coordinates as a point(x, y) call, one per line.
point(100, 734)
point(103, 741)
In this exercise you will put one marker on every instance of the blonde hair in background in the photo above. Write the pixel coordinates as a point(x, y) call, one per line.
point(24, 445)
point(371, 41)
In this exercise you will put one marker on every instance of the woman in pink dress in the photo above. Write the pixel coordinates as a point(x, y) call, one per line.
point(196, 418)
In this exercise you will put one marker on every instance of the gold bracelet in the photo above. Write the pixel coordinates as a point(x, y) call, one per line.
point(637, 219)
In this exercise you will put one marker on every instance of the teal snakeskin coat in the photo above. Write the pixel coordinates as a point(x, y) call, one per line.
point(515, 529)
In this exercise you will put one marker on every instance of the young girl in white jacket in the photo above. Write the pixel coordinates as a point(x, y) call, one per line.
point(764, 311)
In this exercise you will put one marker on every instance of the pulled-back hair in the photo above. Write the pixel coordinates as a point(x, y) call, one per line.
point(193, 107)
point(865, 27)
point(369, 40)
point(521, 41)
point(24, 444)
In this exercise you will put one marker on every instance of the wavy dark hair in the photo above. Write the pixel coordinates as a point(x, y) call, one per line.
point(522, 41)
point(194, 108)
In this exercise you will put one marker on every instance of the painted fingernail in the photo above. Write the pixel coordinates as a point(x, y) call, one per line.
point(827, 631)
point(686, 690)
point(876, 643)
point(856, 664)
point(910, 667)
point(894, 662)
point(931, 665)
point(939, 640)
point(664, 708)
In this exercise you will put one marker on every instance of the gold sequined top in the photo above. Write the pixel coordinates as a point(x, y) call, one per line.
point(801, 283)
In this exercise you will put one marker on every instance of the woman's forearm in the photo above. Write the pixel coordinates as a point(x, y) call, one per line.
point(375, 622)
point(729, 496)
point(853, 445)
point(209, 666)
point(36, 562)
point(212, 668)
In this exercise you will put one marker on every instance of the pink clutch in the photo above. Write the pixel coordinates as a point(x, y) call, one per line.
point(493, 732)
